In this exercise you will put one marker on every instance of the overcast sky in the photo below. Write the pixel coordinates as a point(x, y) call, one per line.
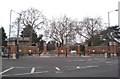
point(76, 9)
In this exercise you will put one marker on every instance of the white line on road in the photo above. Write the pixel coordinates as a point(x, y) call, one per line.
point(32, 70)
point(78, 67)
point(57, 68)
point(6, 70)
point(73, 67)
point(28, 67)
point(25, 73)
point(89, 66)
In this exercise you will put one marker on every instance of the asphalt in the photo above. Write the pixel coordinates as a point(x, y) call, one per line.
point(47, 66)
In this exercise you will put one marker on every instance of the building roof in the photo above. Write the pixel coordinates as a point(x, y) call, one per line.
point(11, 39)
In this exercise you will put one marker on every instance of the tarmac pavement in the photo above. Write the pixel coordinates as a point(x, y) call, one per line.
point(47, 66)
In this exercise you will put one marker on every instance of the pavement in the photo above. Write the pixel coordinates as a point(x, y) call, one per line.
point(53, 66)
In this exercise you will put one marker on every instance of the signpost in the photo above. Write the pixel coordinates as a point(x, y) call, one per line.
point(0, 39)
point(0, 52)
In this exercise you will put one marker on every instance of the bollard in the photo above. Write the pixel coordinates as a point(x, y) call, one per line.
point(111, 55)
point(30, 52)
point(105, 55)
point(14, 56)
point(115, 54)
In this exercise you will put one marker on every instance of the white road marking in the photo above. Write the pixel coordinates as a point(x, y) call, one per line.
point(89, 66)
point(32, 70)
point(78, 67)
point(25, 73)
point(73, 67)
point(6, 70)
point(57, 68)
point(28, 67)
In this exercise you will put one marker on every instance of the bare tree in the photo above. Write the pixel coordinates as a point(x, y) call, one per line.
point(89, 27)
point(61, 30)
point(34, 18)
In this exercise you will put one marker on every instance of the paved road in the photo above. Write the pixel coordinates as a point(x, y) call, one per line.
point(35, 66)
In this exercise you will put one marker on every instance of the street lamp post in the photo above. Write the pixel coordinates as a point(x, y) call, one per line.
point(18, 28)
point(108, 55)
point(10, 27)
point(109, 17)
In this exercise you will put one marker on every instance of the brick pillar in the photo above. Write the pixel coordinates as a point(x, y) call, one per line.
point(45, 48)
point(13, 50)
point(115, 48)
point(114, 45)
point(112, 48)
point(78, 49)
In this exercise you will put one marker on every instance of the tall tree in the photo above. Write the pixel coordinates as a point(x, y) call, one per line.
point(89, 27)
point(33, 18)
point(4, 42)
point(61, 30)
point(27, 32)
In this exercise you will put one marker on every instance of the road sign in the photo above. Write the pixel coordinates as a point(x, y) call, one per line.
point(0, 51)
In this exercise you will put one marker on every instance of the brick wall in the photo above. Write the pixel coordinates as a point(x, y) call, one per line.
point(62, 50)
point(13, 48)
point(111, 48)
point(96, 50)
point(24, 49)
